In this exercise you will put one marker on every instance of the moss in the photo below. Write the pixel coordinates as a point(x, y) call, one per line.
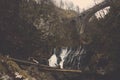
point(3, 69)
point(15, 67)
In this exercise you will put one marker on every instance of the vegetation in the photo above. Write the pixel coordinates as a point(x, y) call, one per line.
point(29, 31)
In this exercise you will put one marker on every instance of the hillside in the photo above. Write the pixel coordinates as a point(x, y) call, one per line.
point(30, 31)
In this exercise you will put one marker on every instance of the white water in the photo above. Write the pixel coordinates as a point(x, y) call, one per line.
point(53, 59)
point(63, 55)
point(68, 56)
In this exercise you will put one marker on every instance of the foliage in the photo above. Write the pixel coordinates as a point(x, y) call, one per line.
point(31, 29)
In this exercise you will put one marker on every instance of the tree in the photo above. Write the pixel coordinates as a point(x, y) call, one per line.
point(61, 4)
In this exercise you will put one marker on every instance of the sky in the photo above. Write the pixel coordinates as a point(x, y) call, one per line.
point(82, 4)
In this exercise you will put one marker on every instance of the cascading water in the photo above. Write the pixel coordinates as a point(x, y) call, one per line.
point(63, 55)
point(74, 58)
point(70, 58)
point(58, 57)
point(53, 61)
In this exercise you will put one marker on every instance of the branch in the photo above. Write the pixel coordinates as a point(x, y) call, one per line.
point(61, 70)
point(28, 63)
point(44, 67)
point(88, 13)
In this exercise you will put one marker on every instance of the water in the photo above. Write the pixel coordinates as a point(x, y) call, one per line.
point(70, 58)
point(53, 61)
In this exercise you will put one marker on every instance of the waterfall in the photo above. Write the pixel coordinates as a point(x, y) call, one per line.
point(53, 61)
point(74, 58)
point(63, 55)
point(71, 58)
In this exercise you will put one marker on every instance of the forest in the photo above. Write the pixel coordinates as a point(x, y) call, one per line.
point(41, 41)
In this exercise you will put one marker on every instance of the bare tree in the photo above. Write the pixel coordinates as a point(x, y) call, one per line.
point(78, 9)
point(84, 17)
point(61, 4)
point(71, 6)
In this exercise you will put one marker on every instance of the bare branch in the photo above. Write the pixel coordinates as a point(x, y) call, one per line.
point(87, 14)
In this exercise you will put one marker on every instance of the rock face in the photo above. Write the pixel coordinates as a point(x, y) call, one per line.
point(28, 28)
